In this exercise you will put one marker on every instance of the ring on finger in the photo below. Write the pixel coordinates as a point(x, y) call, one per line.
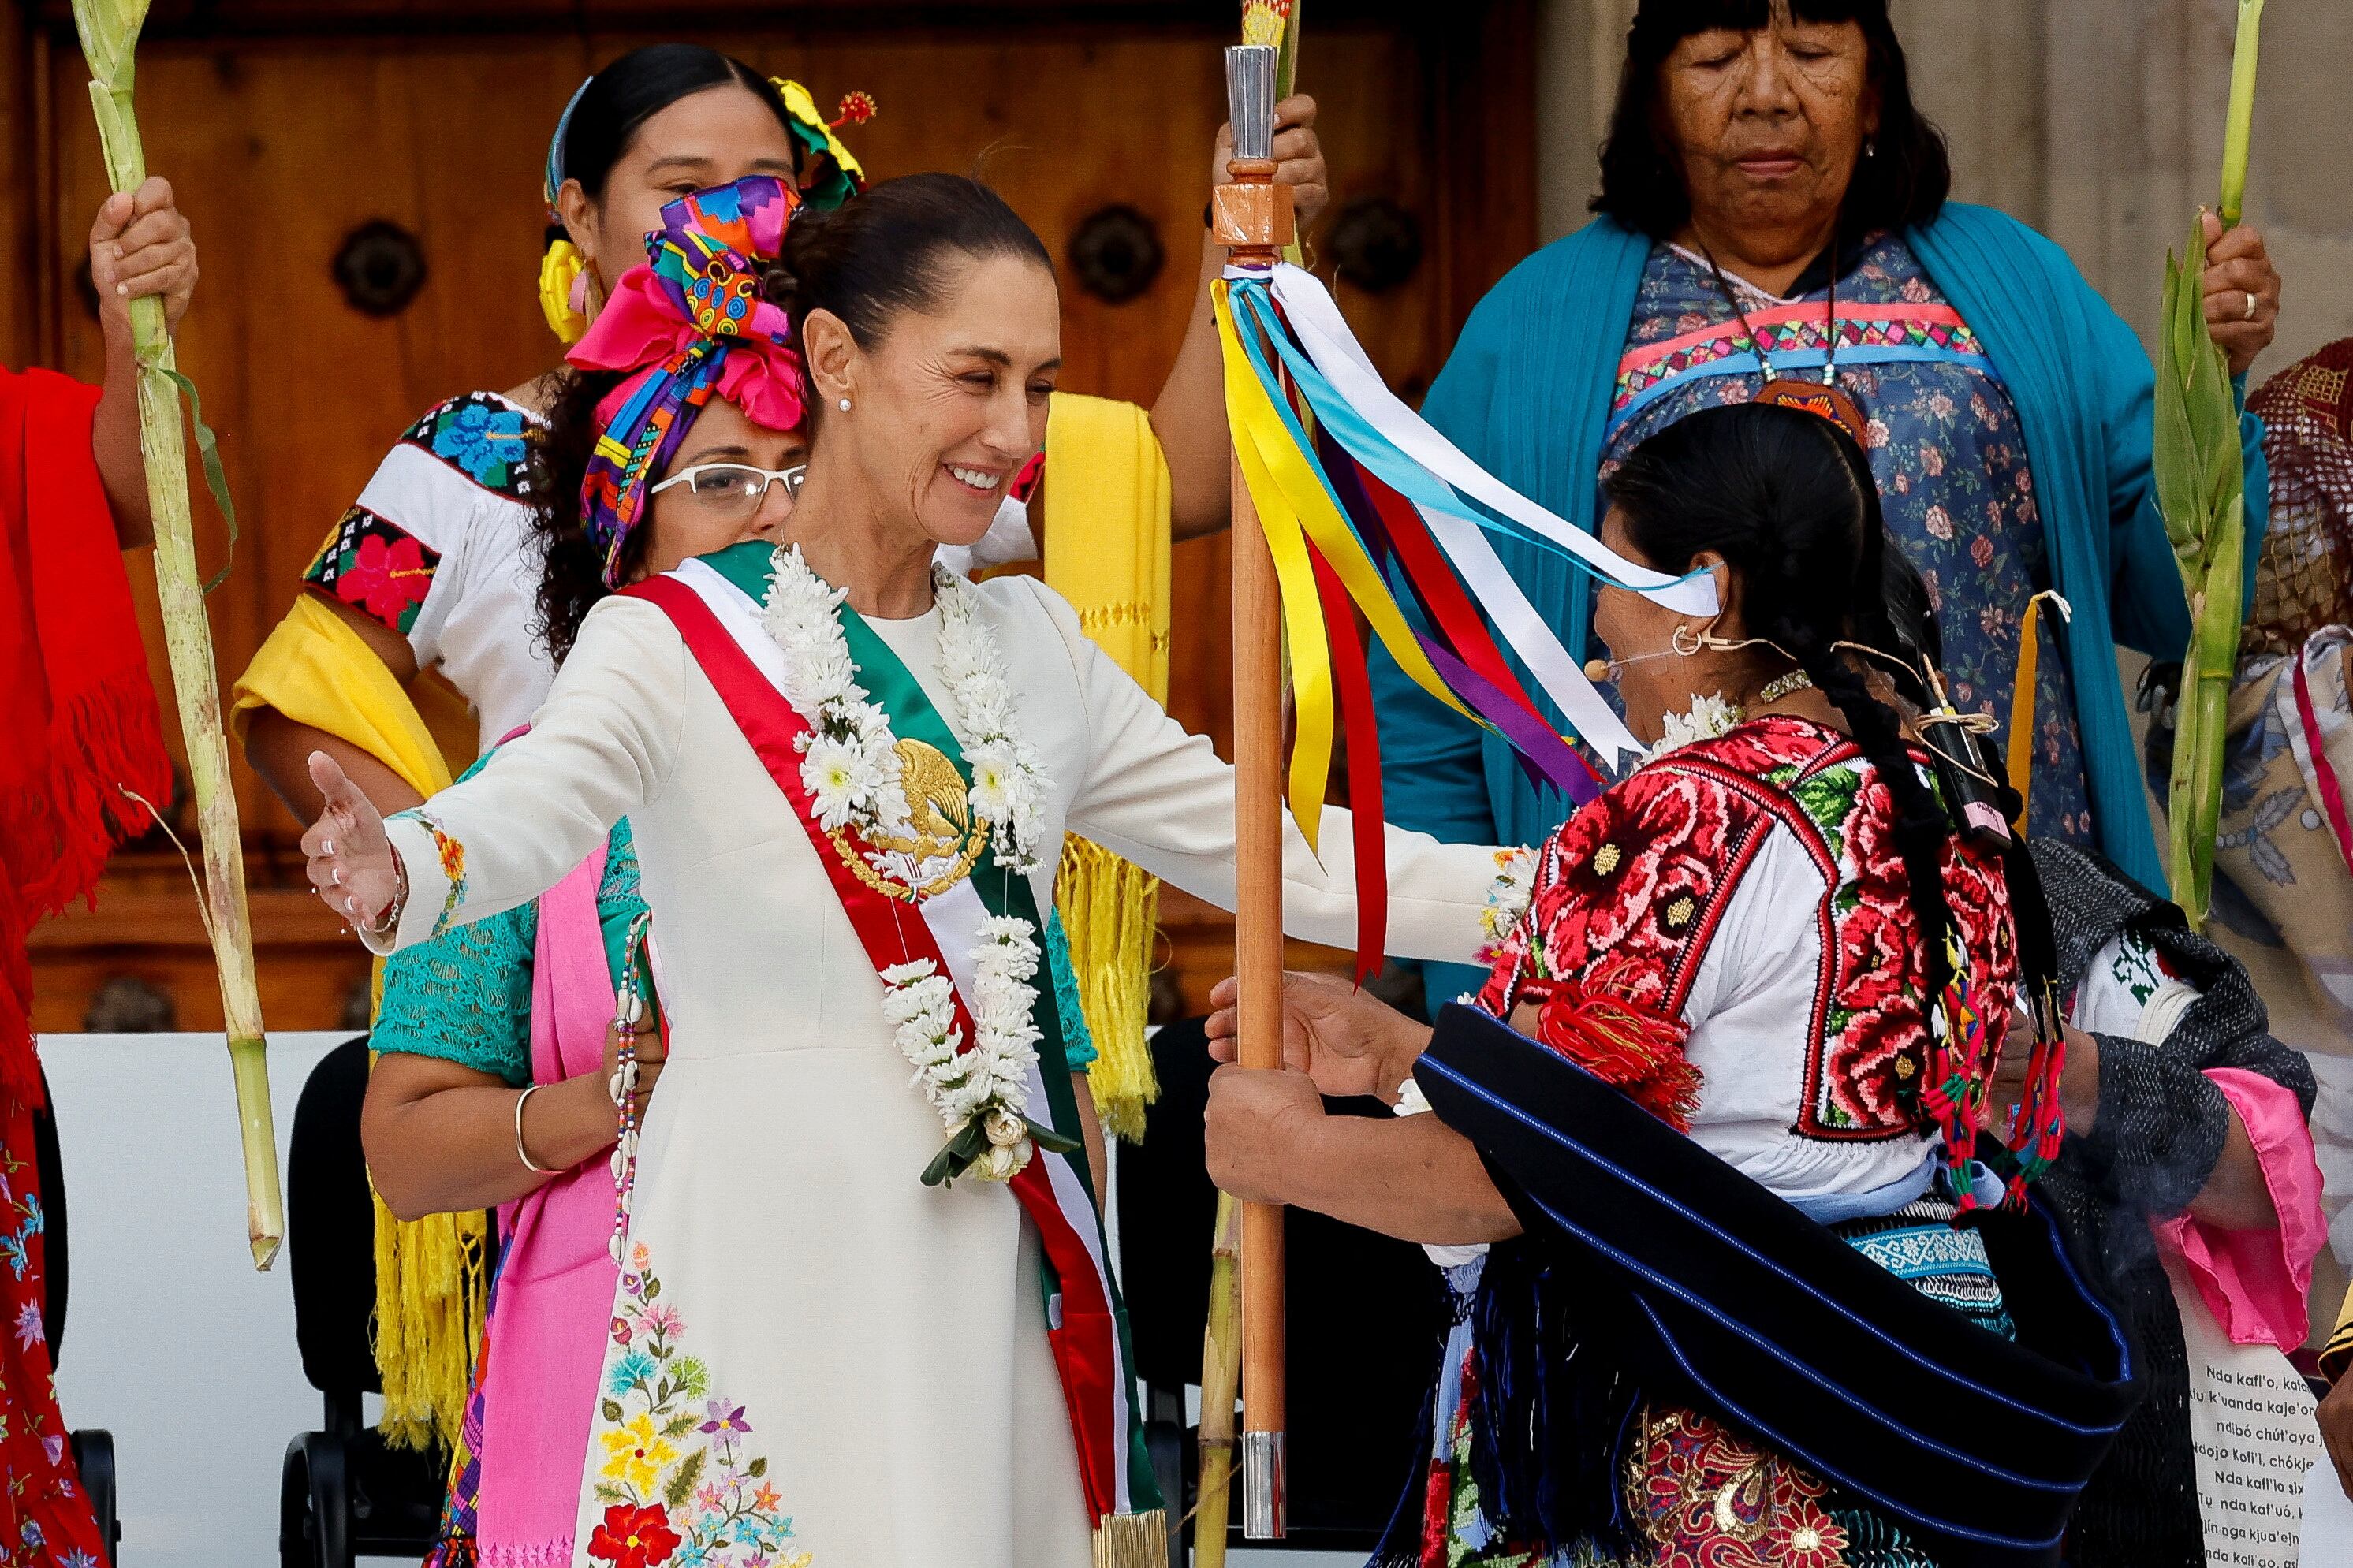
point(2253, 305)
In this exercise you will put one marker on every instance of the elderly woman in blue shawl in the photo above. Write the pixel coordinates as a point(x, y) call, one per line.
point(1773, 209)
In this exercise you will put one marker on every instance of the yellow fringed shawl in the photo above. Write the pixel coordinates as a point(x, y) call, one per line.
point(2336, 1359)
point(430, 1274)
point(1107, 553)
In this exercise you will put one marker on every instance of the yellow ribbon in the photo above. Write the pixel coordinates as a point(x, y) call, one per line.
point(1291, 500)
point(2020, 759)
point(1302, 611)
point(1320, 515)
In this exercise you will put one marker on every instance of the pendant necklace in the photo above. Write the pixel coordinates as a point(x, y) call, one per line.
point(1822, 397)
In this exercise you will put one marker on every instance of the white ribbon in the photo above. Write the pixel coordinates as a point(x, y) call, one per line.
point(1324, 334)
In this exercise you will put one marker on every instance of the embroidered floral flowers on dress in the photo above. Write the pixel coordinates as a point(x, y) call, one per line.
point(481, 436)
point(673, 1470)
point(372, 565)
point(452, 856)
point(1507, 899)
point(1705, 1499)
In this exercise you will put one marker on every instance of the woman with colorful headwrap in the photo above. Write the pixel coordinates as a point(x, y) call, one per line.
point(859, 1316)
point(492, 1085)
point(419, 605)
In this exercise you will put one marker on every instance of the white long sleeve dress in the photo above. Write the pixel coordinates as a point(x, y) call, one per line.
point(871, 1350)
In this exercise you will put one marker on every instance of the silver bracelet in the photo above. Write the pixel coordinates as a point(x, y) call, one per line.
point(521, 1152)
point(390, 921)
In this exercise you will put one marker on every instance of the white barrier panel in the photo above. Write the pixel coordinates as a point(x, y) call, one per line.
point(171, 1342)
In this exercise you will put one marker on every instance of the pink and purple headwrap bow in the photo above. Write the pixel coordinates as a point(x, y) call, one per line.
point(692, 324)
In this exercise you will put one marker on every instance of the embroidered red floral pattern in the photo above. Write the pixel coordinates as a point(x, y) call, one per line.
point(1642, 876)
point(1705, 1499)
point(370, 564)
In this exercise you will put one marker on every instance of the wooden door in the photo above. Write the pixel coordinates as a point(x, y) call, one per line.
point(286, 128)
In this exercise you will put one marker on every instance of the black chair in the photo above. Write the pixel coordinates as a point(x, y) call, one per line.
point(93, 1450)
point(342, 1493)
point(1366, 1316)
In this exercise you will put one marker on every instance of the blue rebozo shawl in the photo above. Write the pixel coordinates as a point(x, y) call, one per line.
point(1527, 394)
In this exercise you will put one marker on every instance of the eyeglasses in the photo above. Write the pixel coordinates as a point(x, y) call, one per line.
point(734, 490)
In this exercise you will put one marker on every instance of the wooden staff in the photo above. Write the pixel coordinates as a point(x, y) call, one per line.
point(1253, 221)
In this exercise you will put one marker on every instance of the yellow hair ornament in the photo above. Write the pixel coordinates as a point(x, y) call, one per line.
point(560, 272)
point(857, 109)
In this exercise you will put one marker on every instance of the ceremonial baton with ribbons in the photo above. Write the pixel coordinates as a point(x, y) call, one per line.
point(1252, 219)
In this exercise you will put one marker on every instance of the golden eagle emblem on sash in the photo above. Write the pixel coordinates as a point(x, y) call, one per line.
point(943, 841)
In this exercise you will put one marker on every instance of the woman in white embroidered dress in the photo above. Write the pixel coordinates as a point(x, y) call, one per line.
point(863, 1356)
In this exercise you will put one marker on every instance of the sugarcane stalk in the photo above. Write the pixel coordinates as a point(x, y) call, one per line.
point(1221, 1377)
point(110, 32)
point(1286, 82)
point(2236, 130)
point(2200, 474)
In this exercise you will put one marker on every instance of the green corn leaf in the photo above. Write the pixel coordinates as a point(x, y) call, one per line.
point(2175, 450)
point(2200, 477)
point(215, 477)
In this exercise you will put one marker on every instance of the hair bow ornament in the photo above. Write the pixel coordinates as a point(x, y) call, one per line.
point(830, 175)
point(691, 324)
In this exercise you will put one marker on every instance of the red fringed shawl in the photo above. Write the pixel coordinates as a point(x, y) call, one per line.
point(78, 713)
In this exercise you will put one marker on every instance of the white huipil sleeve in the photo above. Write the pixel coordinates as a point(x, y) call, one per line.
point(602, 746)
point(1160, 795)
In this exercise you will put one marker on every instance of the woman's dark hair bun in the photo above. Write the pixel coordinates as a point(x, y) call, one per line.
point(890, 250)
point(780, 286)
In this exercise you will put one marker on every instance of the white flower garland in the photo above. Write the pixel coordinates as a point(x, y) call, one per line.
point(852, 775)
point(1708, 717)
point(1007, 791)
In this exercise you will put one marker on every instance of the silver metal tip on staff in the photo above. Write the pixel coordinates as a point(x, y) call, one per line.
point(1264, 1455)
point(1249, 98)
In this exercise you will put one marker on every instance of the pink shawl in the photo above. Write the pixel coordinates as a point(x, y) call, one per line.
point(544, 1346)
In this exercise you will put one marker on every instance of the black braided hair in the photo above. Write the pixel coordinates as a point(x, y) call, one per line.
point(1788, 500)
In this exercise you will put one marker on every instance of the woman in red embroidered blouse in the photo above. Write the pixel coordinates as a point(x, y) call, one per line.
point(1745, 936)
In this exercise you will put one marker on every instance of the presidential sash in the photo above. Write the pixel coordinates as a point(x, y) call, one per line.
point(715, 602)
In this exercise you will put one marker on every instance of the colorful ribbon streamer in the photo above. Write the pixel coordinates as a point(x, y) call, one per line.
point(2021, 758)
point(1360, 501)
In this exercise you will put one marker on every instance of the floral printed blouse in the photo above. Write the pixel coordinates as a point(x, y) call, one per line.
point(438, 548)
point(1745, 896)
point(1945, 444)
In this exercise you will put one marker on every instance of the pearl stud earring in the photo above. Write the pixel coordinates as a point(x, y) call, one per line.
point(845, 405)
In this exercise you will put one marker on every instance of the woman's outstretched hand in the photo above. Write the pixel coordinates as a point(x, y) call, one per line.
point(1349, 1042)
point(352, 863)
